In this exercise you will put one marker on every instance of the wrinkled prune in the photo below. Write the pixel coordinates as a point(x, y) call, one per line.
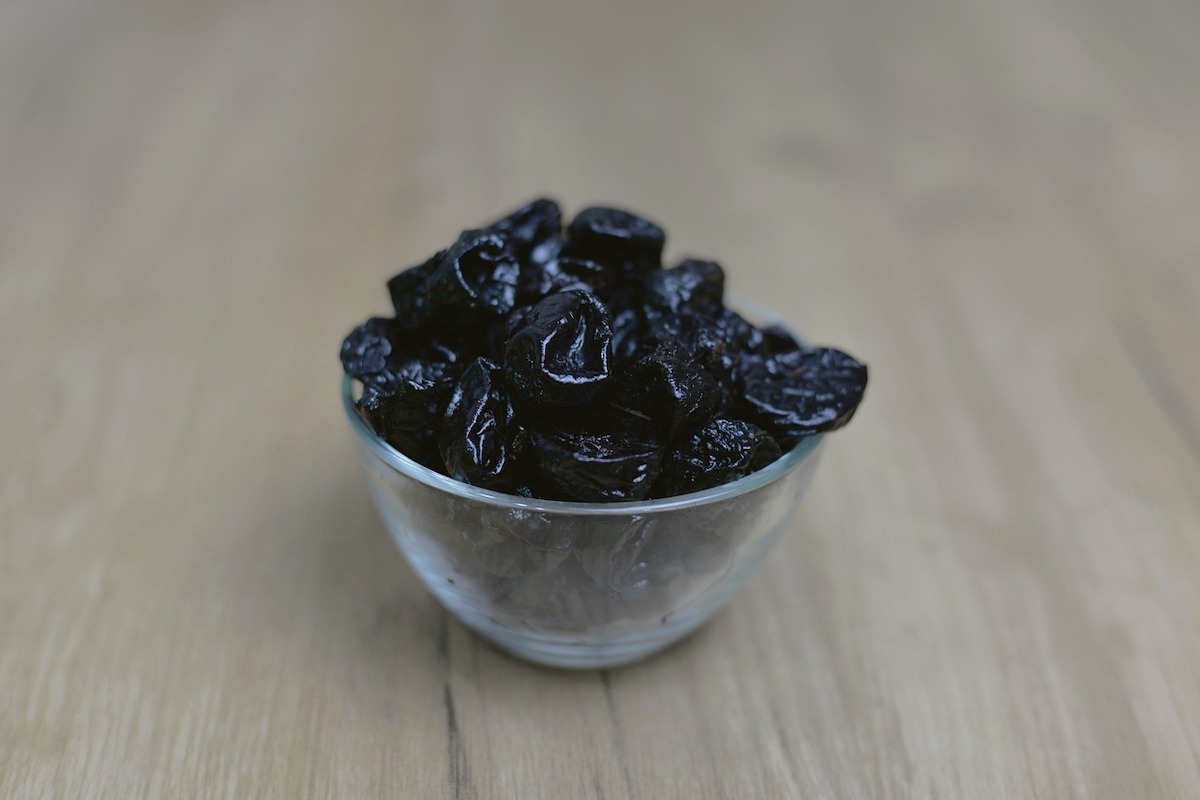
point(412, 396)
point(561, 354)
point(694, 286)
point(615, 238)
point(562, 274)
point(500, 331)
point(594, 468)
point(480, 441)
point(709, 344)
point(476, 278)
point(530, 225)
point(366, 350)
point(739, 334)
point(580, 336)
point(670, 387)
point(409, 291)
point(803, 392)
point(627, 328)
point(720, 451)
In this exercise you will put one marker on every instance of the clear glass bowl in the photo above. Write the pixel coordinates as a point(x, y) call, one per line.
point(581, 585)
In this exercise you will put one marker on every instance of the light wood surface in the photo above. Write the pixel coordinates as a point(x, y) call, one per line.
point(993, 589)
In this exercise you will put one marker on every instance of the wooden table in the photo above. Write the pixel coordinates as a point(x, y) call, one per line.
point(993, 589)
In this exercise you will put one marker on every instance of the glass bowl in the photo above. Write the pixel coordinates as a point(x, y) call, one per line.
point(580, 585)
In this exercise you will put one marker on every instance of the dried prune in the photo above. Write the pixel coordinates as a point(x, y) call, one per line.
point(530, 225)
point(709, 344)
point(476, 278)
point(480, 441)
point(738, 332)
point(546, 251)
point(366, 350)
point(411, 392)
point(692, 286)
point(720, 451)
point(561, 354)
point(581, 336)
point(615, 238)
point(593, 468)
point(498, 333)
point(803, 392)
point(778, 339)
point(420, 445)
point(562, 274)
point(409, 291)
point(670, 387)
point(627, 329)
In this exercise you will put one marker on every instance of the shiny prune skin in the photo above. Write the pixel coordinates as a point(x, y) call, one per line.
point(615, 238)
point(476, 279)
point(693, 286)
point(561, 274)
point(366, 350)
point(480, 440)
point(803, 392)
point(707, 341)
point(409, 291)
point(627, 327)
point(596, 467)
point(561, 354)
point(592, 345)
point(670, 387)
point(530, 225)
point(410, 392)
point(742, 336)
point(718, 452)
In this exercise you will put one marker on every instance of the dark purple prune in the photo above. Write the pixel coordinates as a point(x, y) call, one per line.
point(778, 339)
point(627, 330)
point(562, 351)
point(798, 394)
point(615, 238)
point(409, 291)
point(720, 451)
point(530, 225)
point(546, 251)
point(740, 334)
point(476, 278)
point(480, 441)
point(561, 274)
point(592, 468)
point(419, 445)
point(366, 350)
point(499, 332)
point(707, 341)
point(670, 387)
point(694, 286)
point(410, 393)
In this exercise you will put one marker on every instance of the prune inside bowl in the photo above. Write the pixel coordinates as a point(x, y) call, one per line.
point(581, 585)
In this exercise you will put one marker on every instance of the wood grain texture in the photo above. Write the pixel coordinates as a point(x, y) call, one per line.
point(993, 589)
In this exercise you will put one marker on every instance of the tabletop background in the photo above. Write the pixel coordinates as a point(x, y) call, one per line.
point(993, 588)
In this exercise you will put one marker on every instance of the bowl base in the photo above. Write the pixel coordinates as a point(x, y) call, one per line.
point(590, 651)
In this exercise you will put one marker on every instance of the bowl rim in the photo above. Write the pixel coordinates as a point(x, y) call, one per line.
point(401, 463)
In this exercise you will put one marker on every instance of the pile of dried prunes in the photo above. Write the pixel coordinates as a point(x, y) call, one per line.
point(570, 365)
